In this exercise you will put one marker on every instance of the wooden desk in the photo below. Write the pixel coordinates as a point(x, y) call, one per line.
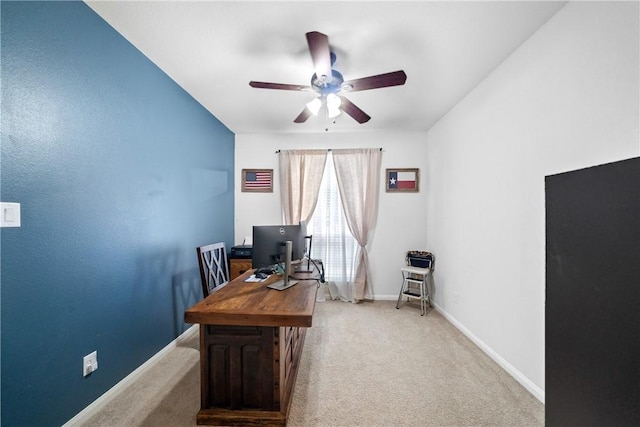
point(251, 341)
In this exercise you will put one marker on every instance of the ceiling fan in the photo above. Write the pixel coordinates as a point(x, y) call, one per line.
point(329, 83)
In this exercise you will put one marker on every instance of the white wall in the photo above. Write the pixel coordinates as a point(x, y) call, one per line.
point(401, 224)
point(566, 99)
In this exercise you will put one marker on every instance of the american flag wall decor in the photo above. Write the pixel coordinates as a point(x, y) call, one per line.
point(257, 180)
point(405, 179)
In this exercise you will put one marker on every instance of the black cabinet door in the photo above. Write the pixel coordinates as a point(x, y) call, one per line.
point(592, 328)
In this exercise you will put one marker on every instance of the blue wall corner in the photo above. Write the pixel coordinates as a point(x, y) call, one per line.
point(120, 175)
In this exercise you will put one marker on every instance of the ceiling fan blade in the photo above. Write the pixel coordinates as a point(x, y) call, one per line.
point(281, 86)
point(395, 78)
point(302, 117)
point(351, 109)
point(320, 53)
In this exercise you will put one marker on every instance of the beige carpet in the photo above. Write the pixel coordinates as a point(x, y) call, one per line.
point(365, 364)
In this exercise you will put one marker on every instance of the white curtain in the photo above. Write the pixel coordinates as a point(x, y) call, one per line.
point(358, 176)
point(300, 178)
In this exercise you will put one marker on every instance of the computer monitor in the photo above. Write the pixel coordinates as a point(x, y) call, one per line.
point(269, 244)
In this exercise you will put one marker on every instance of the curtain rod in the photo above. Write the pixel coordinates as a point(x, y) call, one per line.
point(328, 149)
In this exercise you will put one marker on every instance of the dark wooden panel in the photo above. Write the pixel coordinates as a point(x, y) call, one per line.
point(233, 331)
point(251, 377)
point(240, 367)
point(593, 296)
point(219, 375)
point(292, 371)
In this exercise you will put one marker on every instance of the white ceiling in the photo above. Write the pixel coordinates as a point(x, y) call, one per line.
point(213, 49)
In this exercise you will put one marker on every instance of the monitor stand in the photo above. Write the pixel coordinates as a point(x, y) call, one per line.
point(280, 285)
point(285, 283)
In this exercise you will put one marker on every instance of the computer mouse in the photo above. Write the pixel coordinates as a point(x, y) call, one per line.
point(261, 275)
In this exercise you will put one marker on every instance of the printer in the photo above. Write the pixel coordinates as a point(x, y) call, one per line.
point(242, 251)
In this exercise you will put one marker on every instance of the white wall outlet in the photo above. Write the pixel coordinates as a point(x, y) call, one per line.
point(89, 363)
point(9, 214)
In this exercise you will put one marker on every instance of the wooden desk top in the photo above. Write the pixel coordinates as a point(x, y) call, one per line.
point(253, 304)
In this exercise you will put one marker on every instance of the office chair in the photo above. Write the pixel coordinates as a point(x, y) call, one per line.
point(214, 269)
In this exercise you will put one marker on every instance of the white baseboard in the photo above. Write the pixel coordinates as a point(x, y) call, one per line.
point(385, 297)
point(88, 412)
point(536, 391)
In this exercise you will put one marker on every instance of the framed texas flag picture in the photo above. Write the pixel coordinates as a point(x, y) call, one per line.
point(406, 179)
point(257, 180)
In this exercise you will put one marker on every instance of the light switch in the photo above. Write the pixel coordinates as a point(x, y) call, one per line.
point(9, 214)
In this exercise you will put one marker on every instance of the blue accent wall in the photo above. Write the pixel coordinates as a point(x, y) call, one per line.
point(120, 175)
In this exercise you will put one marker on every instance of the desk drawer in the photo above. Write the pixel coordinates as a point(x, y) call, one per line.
point(238, 266)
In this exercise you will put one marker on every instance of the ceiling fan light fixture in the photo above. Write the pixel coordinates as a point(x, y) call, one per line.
point(314, 105)
point(333, 105)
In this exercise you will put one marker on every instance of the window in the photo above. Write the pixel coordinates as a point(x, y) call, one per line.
point(332, 240)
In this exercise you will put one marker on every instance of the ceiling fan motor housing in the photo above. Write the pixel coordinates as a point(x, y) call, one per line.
point(327, 84)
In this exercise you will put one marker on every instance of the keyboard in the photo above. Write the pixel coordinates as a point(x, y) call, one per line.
point(279, 285)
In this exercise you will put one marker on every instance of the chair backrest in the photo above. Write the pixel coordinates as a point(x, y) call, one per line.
point(214, 269)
